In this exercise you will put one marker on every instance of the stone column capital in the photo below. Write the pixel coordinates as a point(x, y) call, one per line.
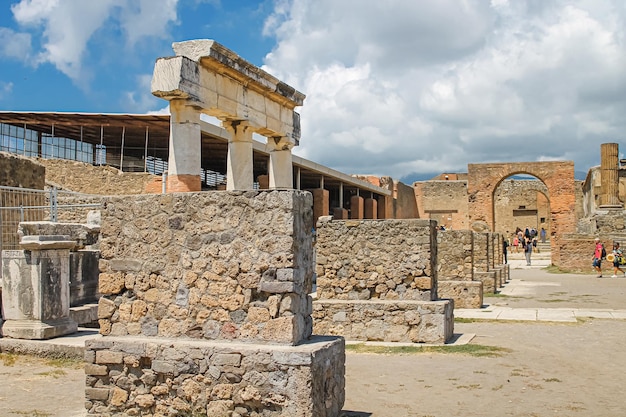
point(240, 130)
point(280, 143)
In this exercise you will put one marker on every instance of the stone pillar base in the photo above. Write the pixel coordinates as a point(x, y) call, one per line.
point(466, 294)
point(404, 321)
point(183, 183)
point(214, 378)
point(38, 330)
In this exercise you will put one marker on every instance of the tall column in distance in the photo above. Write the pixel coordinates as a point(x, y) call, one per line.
point(239, 166)
point(280, 167)
point(185, 148)
point(609, 176)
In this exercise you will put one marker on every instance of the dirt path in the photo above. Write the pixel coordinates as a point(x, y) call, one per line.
point(572, 370)
point(551, 370)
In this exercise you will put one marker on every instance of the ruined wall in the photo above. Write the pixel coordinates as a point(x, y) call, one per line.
point(86, 178)
point(443, 201)
point(17, 171)
point(213, 265)
point(512, 197)
point(454, 255)
point(376, 259)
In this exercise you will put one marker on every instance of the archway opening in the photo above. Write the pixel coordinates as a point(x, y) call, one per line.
point(521, 202)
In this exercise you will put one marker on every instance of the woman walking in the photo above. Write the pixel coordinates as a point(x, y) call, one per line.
point(617, 260)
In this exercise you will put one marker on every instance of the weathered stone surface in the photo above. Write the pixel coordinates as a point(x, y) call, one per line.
point(389, 321)
point(263, 380)
point(466, 294)
point(223, 252)
point(376, 259)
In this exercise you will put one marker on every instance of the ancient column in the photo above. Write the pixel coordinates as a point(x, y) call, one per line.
point(609, 164)
point(185, 148)
point(239, 165)
point(36, 288)
point(280, 167)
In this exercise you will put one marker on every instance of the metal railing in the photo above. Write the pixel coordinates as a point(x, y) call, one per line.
point(25, 204)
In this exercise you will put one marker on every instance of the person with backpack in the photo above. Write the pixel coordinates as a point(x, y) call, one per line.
point(598, 254)
point(528, 249)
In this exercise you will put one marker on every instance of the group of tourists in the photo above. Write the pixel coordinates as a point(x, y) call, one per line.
point(616, 257)
point(526, 241)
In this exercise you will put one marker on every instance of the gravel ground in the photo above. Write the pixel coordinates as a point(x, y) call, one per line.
point(545, 369)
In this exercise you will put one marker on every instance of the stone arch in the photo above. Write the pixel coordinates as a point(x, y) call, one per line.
point(558, 176)
point(521, 188)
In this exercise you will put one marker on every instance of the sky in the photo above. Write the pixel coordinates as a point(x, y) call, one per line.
point(400, 88)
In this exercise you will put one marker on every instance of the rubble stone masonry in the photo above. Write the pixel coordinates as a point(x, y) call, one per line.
point(215, 265)
point(376, 281)
point(206, 309)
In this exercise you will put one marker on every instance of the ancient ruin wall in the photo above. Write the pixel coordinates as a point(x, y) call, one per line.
point(443, 201)
point(376, 259)
point(454, 255)
point(513, 202)
point(86, 178)
point(17, 171)
point(214, 266)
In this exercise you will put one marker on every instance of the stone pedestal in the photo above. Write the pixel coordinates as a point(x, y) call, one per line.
point(212, 378)
point(35, 289)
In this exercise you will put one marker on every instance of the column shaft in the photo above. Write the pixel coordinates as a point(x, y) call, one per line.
point(239, 167)
point(609, 163)
point(185, 151)
point(281, 167)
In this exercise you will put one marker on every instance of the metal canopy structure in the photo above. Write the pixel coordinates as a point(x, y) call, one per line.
point(140, 136)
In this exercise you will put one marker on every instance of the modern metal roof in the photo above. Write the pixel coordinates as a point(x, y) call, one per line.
point(151, 131)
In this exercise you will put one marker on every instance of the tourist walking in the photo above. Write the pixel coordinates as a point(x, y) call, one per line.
point(597, 257)
point(617, 261)
point(542, 235)
point(528, 250)
point(505, 245)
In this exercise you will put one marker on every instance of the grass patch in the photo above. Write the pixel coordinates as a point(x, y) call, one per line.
point(65, 363)
point(552, 380)
point(471, 386)
point(556, 300)
point(471, 350)
point(31, 413)
point(8, 359)
point(57, 373)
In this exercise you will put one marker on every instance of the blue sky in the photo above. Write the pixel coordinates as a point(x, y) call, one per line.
point(399, 88)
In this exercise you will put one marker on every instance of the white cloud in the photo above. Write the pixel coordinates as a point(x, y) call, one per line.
point(66, 27)
point(5, 89)
point(404, 86)
point(14, 45)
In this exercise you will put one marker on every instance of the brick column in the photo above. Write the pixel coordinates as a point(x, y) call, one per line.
point(340, 213)
point(383, 209)
point(321, 203)
point(184, 163)
point(371, 208)
point(239, 164)
point(356, 207)
point(609, 163)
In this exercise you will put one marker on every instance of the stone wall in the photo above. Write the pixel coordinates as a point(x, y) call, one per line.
point(174, 377)
point(86, 178)
point(443, 201)
point(17, 171)
point(215, 265)
point(376, 259)
point(514, 201)
point(454, 255)
point(206, 309)
point(377, 281)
